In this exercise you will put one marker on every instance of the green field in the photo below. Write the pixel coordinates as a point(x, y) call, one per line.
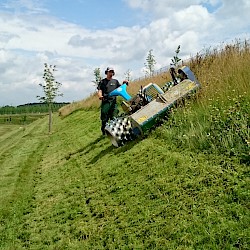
point(20, 119)
point(184, 185)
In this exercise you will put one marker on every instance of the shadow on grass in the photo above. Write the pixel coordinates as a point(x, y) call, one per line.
point(117, 151)
point(92, 145)
point(87, 148)
point(101, 154)
point(112, 148)
point(127, 146)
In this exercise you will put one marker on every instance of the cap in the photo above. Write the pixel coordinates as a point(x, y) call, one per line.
point(109, 69)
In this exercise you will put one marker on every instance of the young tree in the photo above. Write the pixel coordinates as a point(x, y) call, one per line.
point(98, 77)
point(50, 89)
point(150, 63)
point(127, 75)
point(176, 58)
point(175, 61)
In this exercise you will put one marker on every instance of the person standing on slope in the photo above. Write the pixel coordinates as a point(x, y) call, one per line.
point(108, 106)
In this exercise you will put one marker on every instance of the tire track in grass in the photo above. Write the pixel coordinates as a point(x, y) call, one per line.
point(59, 202)
point(10, 140)
point(17, 171)
point(16, 149)
point(58, 190)
point(6, 129)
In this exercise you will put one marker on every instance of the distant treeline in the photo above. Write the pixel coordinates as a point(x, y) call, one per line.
point(31, 108)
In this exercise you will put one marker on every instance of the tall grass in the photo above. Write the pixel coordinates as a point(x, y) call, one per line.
point(217, 70)
point(218, 119)
point(89, 103)
point(223, 73)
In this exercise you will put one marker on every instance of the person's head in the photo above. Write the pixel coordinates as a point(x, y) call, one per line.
point(109, 72)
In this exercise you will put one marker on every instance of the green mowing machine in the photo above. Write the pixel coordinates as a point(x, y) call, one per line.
point(152, 103)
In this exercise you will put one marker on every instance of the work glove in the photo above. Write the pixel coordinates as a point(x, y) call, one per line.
point(125, 82)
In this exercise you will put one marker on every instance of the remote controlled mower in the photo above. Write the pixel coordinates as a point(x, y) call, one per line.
point(151, 103)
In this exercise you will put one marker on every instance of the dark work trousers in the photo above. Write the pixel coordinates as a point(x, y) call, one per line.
point(108, 112)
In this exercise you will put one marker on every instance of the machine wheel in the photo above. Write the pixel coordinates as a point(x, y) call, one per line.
point(119, 131)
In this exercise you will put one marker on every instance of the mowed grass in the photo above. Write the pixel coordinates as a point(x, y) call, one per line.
point(74, 190)
point(184, 185)
point(5, 129)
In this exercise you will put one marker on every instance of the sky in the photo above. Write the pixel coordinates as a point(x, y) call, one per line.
point(79, 36)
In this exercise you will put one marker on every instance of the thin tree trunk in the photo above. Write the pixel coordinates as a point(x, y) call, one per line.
point(50, 119)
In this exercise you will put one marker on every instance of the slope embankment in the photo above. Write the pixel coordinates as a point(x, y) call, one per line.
point(184, 185)
point(73, 189)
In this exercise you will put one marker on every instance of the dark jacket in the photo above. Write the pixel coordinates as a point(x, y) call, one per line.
point(107, 86)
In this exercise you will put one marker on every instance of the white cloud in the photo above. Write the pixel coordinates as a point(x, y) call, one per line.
point(234, 15)
point(163, 8)
point(29, 36)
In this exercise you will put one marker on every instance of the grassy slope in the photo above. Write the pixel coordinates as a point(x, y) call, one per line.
point(73, 189)
point(184, 186)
